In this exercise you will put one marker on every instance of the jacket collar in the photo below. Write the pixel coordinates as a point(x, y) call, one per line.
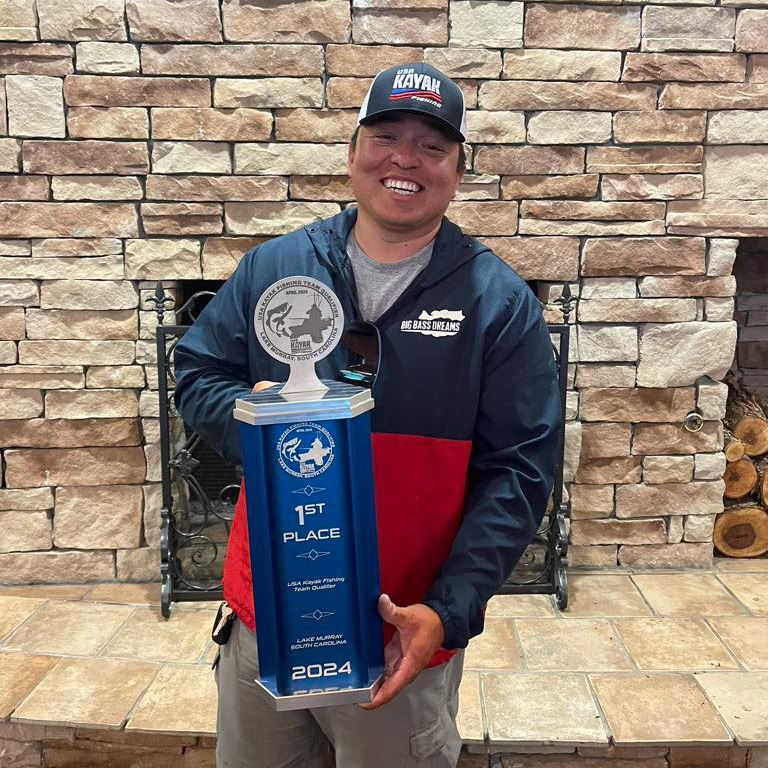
point(452, 247)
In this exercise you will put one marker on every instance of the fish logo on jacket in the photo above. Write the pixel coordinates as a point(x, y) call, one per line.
point(440, 322)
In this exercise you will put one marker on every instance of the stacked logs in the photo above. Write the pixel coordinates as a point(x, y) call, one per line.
point(742, 529)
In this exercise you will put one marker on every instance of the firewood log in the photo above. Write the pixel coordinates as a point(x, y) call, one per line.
point(762, 482)
point(734, 448)
point(742, 531)
point(740, 478)
point(753, 432)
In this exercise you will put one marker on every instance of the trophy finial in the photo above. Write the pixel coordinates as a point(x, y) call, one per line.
point(299, 320)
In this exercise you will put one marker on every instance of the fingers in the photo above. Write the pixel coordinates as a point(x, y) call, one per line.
point(259, 385)
point(392, 685)
point(388, 610)
point(393, 652)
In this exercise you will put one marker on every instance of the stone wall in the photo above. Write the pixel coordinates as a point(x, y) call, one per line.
point(49, 746)
point(621, 147)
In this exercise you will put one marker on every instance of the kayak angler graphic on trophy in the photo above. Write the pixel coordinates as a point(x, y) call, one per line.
point(312, 325)
point(314, 560)
point(305, 450)
point(299, 321)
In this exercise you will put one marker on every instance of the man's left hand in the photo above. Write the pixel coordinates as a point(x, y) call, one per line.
point(419, 633)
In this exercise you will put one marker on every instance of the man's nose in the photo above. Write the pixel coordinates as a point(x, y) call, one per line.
point(405, 155)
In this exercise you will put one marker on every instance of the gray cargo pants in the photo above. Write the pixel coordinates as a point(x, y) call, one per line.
point(417, 729)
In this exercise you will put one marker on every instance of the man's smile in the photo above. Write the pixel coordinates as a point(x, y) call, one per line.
point(401, 187)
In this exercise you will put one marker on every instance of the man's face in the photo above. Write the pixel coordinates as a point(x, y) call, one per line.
point(404, 172)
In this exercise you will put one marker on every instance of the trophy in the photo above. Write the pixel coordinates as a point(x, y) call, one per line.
point(311, 517)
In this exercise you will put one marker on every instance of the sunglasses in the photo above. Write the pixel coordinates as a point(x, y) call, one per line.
point(363, 343)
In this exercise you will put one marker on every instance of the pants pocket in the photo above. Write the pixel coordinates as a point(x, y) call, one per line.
point(431, 738)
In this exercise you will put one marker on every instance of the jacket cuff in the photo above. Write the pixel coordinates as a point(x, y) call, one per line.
point(450, 641)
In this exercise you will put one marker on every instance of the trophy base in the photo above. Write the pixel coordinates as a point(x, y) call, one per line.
point(337, 401)
point(320, 698)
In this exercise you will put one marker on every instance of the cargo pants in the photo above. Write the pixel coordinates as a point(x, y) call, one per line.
point(417, 729)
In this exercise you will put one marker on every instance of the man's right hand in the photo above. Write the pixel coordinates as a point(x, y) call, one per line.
point(259, 385)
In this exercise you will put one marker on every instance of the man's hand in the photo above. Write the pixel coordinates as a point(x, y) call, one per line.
point(259, 385)
point(419, 633)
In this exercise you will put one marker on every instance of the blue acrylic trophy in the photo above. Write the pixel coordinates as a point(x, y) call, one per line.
point(311, 516)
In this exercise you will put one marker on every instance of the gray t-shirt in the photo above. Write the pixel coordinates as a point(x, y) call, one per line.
point(378, 283)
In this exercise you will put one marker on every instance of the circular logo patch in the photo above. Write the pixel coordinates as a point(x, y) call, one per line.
point(299, 318)
point(305, 450)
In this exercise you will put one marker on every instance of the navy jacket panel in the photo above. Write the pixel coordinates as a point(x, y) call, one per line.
point(492, 382)
point(510, 477)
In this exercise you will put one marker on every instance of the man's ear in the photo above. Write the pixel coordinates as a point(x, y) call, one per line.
point(459, 177)
point(350, 155)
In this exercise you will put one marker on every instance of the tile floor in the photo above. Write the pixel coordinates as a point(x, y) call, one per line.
point(638, 658)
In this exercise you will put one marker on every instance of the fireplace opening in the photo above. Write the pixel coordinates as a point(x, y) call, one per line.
point(750, 366)
point(202, 290)
point(742, 529)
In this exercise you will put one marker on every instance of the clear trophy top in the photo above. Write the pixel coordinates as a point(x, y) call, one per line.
point(299, 320)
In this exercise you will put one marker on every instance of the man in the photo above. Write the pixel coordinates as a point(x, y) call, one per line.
point(465, 429)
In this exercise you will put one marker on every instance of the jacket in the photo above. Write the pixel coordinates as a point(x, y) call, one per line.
point(466, 423)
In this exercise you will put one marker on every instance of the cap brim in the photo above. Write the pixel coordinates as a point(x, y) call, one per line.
point(427, 115)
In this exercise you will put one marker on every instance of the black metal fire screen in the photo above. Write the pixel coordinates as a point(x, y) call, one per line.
point(542, 568)
point(199, 489)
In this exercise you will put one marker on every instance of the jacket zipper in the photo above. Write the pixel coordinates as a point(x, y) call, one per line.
point(344, 272)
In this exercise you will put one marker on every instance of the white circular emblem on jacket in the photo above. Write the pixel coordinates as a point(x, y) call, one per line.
point(298, 318)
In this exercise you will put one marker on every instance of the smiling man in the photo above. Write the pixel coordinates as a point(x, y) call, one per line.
point(465, 429)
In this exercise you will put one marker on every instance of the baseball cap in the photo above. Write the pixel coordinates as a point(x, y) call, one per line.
point(419, 88)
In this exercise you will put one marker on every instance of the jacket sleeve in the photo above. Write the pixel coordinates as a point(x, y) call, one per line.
point(211, 362)
point(511, 470)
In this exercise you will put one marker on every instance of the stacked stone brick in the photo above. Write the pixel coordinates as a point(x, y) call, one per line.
point(620, 147)
point(54, 746)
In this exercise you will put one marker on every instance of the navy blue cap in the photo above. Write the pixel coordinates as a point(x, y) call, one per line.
point(419, 88)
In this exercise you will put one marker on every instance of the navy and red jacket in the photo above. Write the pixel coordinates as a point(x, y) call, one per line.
point(465, 427)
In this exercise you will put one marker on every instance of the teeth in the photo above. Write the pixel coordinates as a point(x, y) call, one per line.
point(408, 187)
